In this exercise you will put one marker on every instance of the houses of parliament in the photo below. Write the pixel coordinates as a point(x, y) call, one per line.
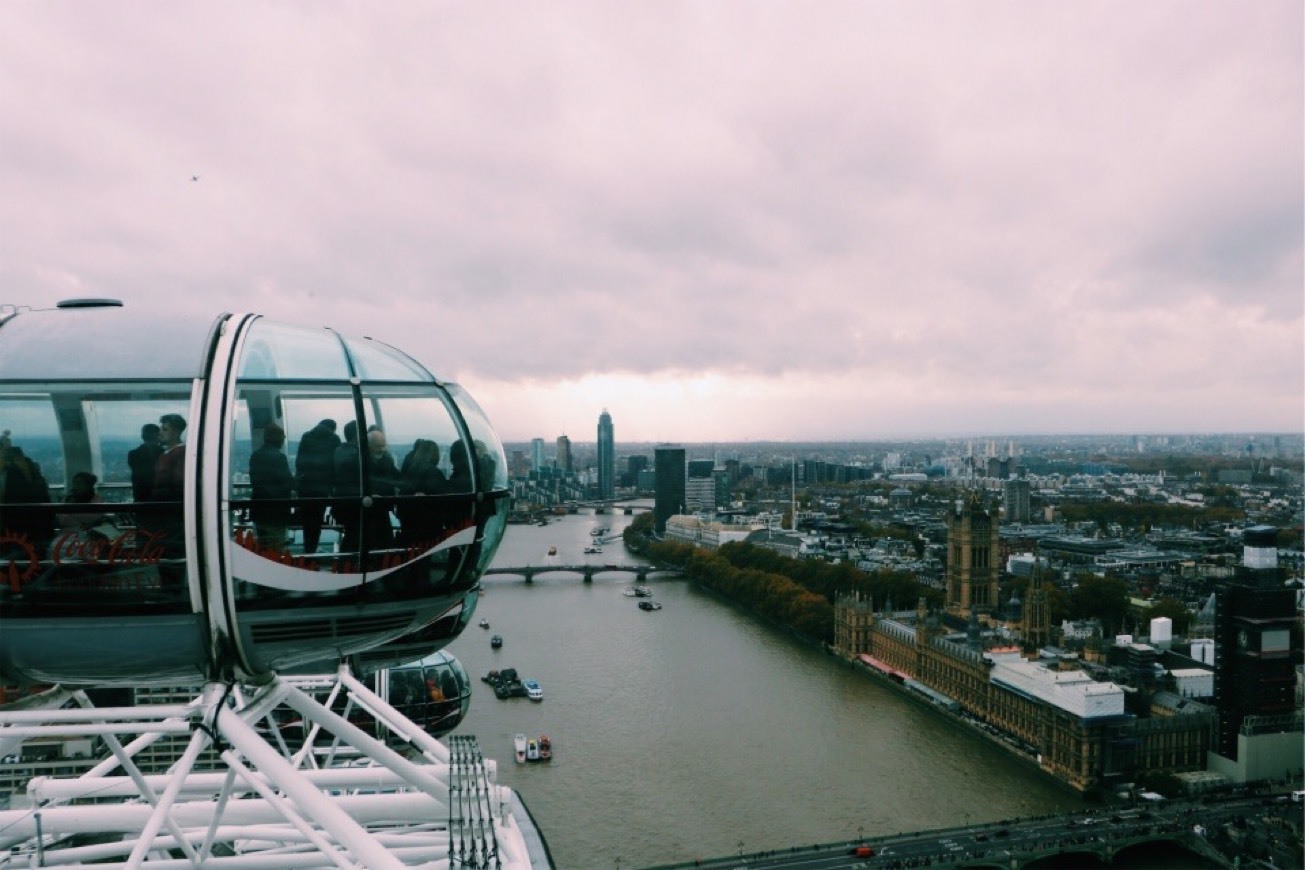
point(1232, 720)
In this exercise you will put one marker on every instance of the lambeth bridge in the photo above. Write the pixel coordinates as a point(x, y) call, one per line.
point(530, 572)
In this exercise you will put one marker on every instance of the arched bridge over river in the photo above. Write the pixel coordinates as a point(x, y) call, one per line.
point(587, 571)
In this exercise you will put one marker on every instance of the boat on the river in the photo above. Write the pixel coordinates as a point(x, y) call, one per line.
point(534, 691)
point(532, 749)
point(650, 605)
point(519, 743)
point(484, 623)
point(593, 549)
point(545, 748)
point(496, 641)
point(552, 551)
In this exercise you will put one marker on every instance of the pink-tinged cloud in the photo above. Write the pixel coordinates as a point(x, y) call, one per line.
point(720, 220)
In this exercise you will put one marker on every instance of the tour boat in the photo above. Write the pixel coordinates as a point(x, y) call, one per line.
point(484, 623)
point(496, 641)
point(552, 551)
point(545, 748)
point(519, 742)
point(532, 749)
point(650, 605)
point(534, 691)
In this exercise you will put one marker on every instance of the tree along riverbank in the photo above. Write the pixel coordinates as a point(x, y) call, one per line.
point(791, 593)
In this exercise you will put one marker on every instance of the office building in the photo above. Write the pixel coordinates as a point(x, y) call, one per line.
point(635, 465)
point(564, 462)
point(536, 454)
point(699, 494)
point(1018, 505)
point(606, 456)
point(670, 474)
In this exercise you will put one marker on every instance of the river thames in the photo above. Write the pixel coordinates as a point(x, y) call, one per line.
point(697, 731)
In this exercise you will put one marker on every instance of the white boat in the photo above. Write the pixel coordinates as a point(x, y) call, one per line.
point(534, 691)
point(519, 742)
point(532, 749)
point(593, 549)
point(629, 592)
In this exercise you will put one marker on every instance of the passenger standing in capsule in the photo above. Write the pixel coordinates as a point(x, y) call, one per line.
point(142, 459)
point(22, 483)
point(419, 520)
point(314, 462)
point(272, 487)
point(170, 486)
point(384, 478)
point(346, 488)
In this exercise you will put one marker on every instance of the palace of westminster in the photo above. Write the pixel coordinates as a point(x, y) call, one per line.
point(1225, 713)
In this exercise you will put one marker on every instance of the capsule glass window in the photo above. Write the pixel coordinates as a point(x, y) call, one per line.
point(81, 526)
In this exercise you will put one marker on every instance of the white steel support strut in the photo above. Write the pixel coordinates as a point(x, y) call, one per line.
point(156, 798)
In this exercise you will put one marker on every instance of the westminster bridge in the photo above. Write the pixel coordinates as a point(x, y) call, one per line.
point(1197, 834)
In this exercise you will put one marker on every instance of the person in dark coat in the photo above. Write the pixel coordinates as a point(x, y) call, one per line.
point(384, 480)
point(272, 487)
point(314, 466)
point(420, 477)
point(170, 486)
point(141, 459)
point(23, 485)
point(346, 489)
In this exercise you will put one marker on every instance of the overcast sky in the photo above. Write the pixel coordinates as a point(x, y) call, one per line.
point(718, 220)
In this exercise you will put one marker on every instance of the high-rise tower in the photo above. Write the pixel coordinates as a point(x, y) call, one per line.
point(606, 456)
point(564, 462)
point(670, 472)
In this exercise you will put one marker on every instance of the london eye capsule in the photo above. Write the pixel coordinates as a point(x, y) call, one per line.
point(187, 499)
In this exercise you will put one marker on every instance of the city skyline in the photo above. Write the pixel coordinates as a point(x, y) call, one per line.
point(721, 223)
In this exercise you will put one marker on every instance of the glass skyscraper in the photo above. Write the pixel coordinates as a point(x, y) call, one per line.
point(606, 456)
point(670, 470)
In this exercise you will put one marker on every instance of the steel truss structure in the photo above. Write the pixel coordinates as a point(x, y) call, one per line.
point(336, 796)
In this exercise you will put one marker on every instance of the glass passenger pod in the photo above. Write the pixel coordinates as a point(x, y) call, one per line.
point(142, 541)
point(95, 521)
point(354, 514)
point(434, 692)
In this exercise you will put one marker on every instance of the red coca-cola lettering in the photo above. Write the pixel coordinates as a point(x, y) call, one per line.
point(139, 547)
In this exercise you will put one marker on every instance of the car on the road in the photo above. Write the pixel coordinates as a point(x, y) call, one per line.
point(861, 851)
